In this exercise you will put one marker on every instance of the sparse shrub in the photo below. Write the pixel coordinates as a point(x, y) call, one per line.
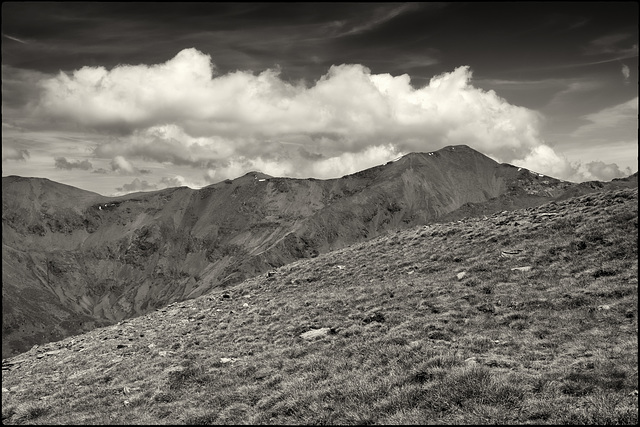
point(577, 384)
point(32, 410)
point(604, 272)
point(201, 417)
point(7, 411)
point(236, 413)
point(578, 245)
point(486, 289)
point(164, 397)
point(562, 224)
point(600, 409)
point(472, 282)
point(180, 378)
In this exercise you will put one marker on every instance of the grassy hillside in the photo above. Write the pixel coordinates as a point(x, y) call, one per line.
point(523, 317)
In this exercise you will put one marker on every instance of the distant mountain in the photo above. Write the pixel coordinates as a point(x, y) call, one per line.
point(74, 260)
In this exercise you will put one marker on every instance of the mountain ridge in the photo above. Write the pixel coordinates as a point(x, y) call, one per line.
point(97, 259)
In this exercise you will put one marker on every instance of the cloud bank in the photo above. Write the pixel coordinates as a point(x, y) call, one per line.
point(181, 112)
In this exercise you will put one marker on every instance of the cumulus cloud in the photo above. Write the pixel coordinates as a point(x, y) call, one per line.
point(63, 163)
point(602, 171)
point(120, 164)
point(180, 112)
point(626, 73)
point(10, 153)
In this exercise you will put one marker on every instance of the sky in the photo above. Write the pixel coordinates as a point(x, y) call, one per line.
point(122, 97)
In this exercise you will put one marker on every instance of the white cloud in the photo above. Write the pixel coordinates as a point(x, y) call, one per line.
point(626, 72)
point(122, 165)
point(543, 159)
point(180, 112)
point(10, 153)
point(602, 171)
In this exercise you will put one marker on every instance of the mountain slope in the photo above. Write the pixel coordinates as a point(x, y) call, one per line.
point(522, 317)
point(92, 260)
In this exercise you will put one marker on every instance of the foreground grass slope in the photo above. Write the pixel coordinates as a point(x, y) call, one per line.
point(526, 317)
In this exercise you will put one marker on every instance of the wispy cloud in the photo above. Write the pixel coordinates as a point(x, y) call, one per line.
point(14, 39)
point(609, 119)
point(379, 16)
point(612, 44)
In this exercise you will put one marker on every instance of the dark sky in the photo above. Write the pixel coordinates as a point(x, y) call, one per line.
point(573, 64)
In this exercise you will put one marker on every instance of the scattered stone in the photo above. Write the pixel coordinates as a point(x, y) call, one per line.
point(471, 361)
point(245, 305)
point(523, 269)
point(439, 335)
point(461, 275)
point(375, 317)
point(315, 333)
point(604, 307)
point(510, 253)
point(486, 308)
point(227, 360)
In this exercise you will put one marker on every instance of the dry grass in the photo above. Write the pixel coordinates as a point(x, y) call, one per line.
point(408, 341)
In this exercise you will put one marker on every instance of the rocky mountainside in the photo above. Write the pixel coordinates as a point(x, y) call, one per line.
point(74, 260)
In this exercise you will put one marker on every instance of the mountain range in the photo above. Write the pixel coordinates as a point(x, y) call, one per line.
point(74, 260)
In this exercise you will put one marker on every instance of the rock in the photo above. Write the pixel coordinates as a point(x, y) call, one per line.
point(471, 361)
point(227, 360)
point(461, 275)
point(315, 333)
point(510, 253)
point(604, 307)
point(523, 269)
point(374, 317)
